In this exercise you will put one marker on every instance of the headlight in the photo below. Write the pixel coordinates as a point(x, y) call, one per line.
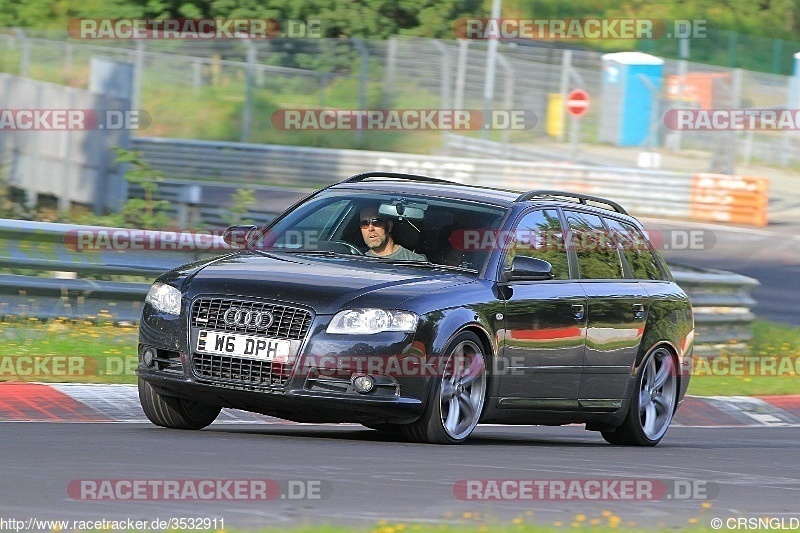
point(368, 321)
point(165, 298)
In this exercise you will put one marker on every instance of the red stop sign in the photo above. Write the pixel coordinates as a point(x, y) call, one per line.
point(577, 102)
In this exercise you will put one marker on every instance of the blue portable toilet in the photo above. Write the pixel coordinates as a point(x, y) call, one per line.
point(794, 84)
point(630, 94)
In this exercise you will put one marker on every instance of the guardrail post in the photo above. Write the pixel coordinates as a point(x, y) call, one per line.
point(188, 202)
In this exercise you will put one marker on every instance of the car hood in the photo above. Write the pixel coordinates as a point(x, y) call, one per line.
point(326, 284)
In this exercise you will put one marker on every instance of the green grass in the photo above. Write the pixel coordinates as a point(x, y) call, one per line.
point(67, 351)
point(82, 351)
point(775, 357)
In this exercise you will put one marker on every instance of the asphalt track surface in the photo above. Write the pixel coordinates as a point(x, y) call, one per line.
point(744, 472)
point(770, 255)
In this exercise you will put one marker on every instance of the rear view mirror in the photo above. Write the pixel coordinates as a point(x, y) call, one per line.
point(409, 211)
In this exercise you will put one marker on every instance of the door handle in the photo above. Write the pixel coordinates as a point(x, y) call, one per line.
point(577, 311)
point(638, 311)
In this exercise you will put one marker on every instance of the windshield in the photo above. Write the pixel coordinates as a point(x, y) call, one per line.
point(387, 227)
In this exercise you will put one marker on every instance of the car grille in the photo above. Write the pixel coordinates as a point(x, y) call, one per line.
point(240, 372)
point(288, 322)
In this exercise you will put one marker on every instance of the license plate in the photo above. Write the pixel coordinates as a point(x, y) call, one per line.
point(247, 346)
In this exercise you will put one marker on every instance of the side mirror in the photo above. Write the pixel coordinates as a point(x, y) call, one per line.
point(524, 268)
point(238, 236)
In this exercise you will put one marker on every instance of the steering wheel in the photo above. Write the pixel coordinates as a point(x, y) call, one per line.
point(342, 247)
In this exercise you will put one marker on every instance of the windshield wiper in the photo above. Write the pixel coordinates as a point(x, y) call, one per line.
point(305, 251)
point(427, 264)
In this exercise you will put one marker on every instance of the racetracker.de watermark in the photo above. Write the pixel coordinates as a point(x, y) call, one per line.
point(194, 29)
point(413, 364)
point(746, 366)
point(73, 119)
point(584, 489)
point(578, 29)
point(107, 239)
point(732, 119)
point(471, 240)
point(32, 367)
point(198, 489)
point(403, 119)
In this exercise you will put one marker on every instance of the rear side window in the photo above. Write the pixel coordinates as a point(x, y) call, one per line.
point(633, 245)
point(539, 235)
point(597, 253)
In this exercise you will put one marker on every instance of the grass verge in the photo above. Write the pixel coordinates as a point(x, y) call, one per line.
point(770, 367)
point(67, 351)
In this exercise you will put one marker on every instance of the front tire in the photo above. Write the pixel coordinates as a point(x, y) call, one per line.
point(174, 413)
point(456, 399)
point(652, 403)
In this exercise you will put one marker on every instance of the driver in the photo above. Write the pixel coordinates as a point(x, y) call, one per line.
point(377, 234)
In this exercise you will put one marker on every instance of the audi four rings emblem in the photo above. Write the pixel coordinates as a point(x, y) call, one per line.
point(236, 316)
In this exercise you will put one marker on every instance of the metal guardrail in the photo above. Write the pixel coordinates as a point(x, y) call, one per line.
point(699, 196)
point(722, 303)
point(722, 300)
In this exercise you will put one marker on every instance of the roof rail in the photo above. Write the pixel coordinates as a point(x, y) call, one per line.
point(398, 175)
point(582, 198)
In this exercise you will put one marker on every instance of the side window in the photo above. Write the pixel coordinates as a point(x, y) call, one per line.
point(598, 257)
point(633, 245)
point(314, 227)
point(539, 235)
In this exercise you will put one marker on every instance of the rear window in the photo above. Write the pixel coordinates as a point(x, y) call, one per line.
point(634, 247)
point(597, 253)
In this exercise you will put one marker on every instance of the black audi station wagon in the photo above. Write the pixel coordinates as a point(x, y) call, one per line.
point(424, 307)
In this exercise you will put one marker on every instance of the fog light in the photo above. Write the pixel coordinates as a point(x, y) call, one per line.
point(363, 384)
point(148, 355)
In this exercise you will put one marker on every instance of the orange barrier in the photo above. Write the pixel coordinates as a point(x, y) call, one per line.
point(734, 199)
point(701, 88)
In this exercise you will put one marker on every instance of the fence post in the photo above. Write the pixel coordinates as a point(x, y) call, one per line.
point(388, 84)
point(508, 100)
point(64, 200)
point(362, 83)
point(24, 52)
point(461, 73)
point(248, 90)
point(444, 85)
point(563, 88)
point(197, 75)
point(138, 71)
point(68, 52)
point(488, 81)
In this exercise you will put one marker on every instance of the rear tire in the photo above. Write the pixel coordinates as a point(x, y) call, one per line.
point(457, 395)
point(652, 403)
point(174, 413)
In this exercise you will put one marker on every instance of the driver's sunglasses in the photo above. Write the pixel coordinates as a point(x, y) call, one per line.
point(376, 221)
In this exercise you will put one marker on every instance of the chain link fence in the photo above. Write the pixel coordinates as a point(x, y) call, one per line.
point(229, 90)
